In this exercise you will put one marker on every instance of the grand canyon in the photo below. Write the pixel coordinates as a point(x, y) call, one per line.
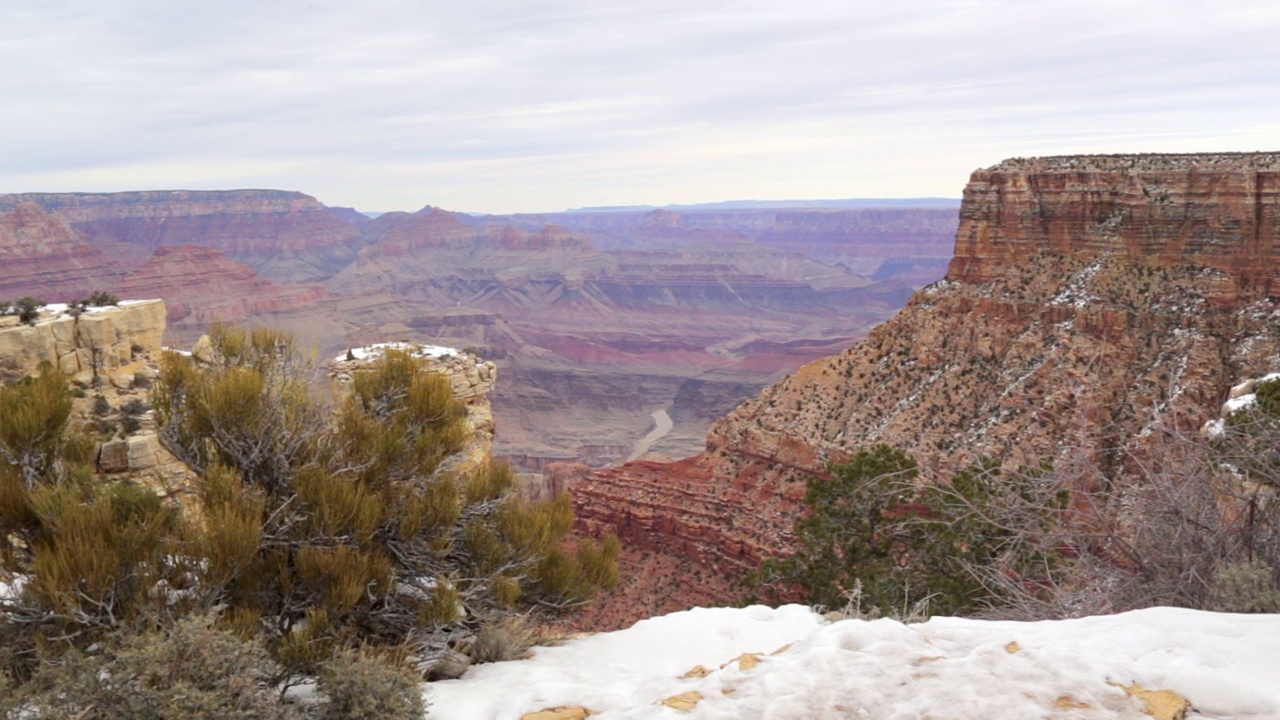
point(607, 324)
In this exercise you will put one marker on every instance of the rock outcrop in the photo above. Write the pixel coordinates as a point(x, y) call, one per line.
point(98, 340)
point(283, 235)
point(1090, 300)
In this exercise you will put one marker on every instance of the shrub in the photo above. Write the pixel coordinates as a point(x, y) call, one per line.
point(100, 298)
point(101, 406)
point(874, 538)
point(131, 424)
point(364, 686)
point(190, 672)
point(338, 529)
point(499, 639)
point(33, 416)
point(28, 309)
point(135, 406)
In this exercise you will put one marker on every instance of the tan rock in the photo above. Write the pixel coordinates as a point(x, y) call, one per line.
point(113, 456)
point(202, 351)
point(1013, 647)
point(684, 702)
point(121, 380)
point(559, 713)
point(8, 321)
point(143, 451)
point(69, 363)
point(697, 671)
point(1160, 704)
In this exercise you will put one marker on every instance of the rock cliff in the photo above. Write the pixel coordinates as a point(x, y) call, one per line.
point(99, 340)
point(43, 257)
point(283, 235)
point(202, 284)
point(1089, 299)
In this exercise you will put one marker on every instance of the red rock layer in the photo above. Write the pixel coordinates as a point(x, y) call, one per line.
point(43, 257)
point(1216, 211)
point(200, 285)
point(1072, 332)
point(285, 235)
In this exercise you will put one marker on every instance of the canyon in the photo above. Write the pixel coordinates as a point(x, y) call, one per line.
point(598, 319)
point(1091, 301)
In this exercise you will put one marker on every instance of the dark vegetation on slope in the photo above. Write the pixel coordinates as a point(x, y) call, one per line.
point(1194, 522)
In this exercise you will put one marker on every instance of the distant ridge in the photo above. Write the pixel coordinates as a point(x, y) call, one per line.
point(845, 204)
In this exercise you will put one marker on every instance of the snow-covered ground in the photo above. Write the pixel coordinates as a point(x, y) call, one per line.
point(380, 349)
point(1227, 666)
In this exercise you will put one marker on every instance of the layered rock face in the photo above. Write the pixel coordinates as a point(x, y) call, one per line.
point(595, 341)
point(1212, 211)
point(201, 285)
point(283, 235)
point(43, 257)
point(1080, 311)
point(99, 340)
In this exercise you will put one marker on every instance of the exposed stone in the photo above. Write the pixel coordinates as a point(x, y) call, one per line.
point(143, 451)
point(113, 456)
point(559, 713)
point(684, 702)
point(202, 351)
point(121, 380)
point(201, 285)
point(1160, 704)
point(103, 339)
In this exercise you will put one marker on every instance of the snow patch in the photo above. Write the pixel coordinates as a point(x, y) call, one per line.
point(414, 349)
point(945, 669)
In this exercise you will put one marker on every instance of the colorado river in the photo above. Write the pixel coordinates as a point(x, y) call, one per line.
point(661, 426)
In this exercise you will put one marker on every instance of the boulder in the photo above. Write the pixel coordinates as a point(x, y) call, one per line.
point(113, 456)
point(143, 451)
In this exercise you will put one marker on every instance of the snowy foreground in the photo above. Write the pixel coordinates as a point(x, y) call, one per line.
point(1226, 666)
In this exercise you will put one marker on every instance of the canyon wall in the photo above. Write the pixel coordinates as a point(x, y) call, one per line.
point(283, 235)
point(43, 257)
point(1091, 299)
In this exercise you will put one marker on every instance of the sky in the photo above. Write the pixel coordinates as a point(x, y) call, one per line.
point(514, 105)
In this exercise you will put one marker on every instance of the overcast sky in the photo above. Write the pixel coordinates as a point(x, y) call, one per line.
point(505, 105)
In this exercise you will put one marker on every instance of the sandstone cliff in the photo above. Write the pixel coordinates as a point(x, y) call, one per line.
point(101, 339)
point(283, 235)
point(1089, 298)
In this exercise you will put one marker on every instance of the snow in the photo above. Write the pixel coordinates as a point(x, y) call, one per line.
point(379, 349)
point(944, 669)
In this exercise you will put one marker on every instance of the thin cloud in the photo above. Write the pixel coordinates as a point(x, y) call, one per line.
point(507, 105)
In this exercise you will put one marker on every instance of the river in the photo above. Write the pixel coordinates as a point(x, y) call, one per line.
point(661, 426)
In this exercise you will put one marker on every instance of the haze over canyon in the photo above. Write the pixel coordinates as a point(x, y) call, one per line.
point(608, 324)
